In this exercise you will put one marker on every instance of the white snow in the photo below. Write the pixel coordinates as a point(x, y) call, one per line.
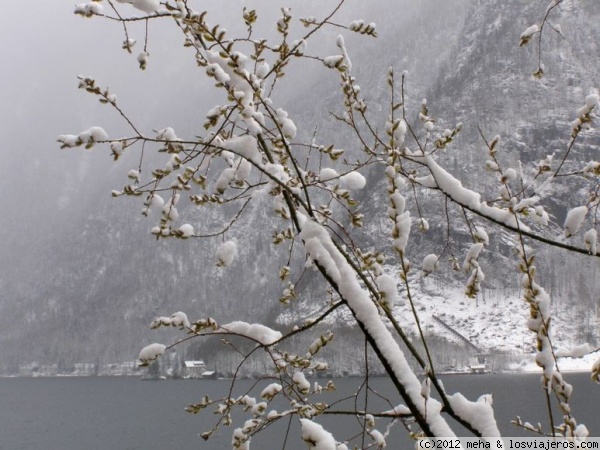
point(366, 312)
point(398, 410)
point(378, 438)
point(452, 186)
point(494, 322)
point(327, 174)
point(154, 200)
point(142, 59)
point(429, 263)
point(167, 134)
point(481, 236)
point(342, 46)
point(454, 189)
point(242, 169)
point(402, 221)
point(216, 71)
point(69, 140)
point(574, 220)
point(254, 331)
point(151, 352)
point(479, 414)
point(186, 230)
point(388, 290)
point(590, 240)
point(87, 137)
point(316, 436)
point(169, 210)
point(225, 179)
point(134, 175)
point(541, 216)
point(259, 408)
point(95, 134)
point(226, 253)
point(472, 256)
point(510, 174)
point(271, 391)
point(89, 9)
point(353, 180)
point(333, 61)
point(147, 6)
point(262, 69)
point(301, 382)
point(526, 35)
point(288, 128)
point(180, 319)
point(577, 352)
point(245, 146)
point(117, 148)
point(568, 364)
point(592, 100)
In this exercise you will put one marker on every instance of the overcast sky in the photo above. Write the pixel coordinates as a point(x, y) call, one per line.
point(44, 47)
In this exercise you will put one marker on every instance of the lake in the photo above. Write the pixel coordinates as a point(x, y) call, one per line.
point(131, 414)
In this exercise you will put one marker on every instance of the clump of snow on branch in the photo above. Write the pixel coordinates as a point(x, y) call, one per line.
point(167, 134)
point(225, 180)
point(186, 230)
point(271, 391)
point(472, 255)
point(151, 352)
point(328, 174)
point(528, 33)
point(147, 6)
point(142, 59)
point(539, 320)
point(88, 137)
point(169, 210)
point(399, 410)
point(301, 382)
point(402, 222)
point(316, 436)
point(479, 414)
point(590, 240)
point(453, 188)
point(353, 180)
point(254, 331)
point(387, 290)
point(574, 220)
point(288, 128)
point(178, 319)
point(481, 235)
point(342, 46)
point(245, 146)
point(89, 9)
point(429, 264)
point(378, 438)
point(226, 253)
point(472, 264)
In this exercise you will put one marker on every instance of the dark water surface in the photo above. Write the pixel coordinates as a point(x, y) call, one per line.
point(131, 414)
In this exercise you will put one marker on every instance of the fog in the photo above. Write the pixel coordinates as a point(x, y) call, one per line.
point(46, 46)
point(49, 193)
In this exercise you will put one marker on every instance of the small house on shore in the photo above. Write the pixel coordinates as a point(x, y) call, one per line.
point(193, 369)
